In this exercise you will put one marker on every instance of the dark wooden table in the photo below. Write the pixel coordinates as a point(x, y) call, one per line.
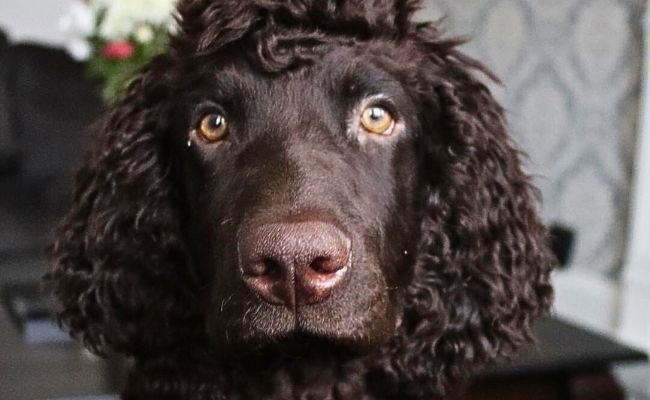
point(567, 363)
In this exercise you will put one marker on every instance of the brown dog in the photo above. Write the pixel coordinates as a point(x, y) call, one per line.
point(303, 199)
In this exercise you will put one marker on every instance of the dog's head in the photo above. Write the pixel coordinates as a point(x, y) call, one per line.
point(300, 187)
point(306, 170)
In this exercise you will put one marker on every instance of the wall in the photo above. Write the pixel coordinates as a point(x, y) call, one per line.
point(32, 20)
point(571, 70)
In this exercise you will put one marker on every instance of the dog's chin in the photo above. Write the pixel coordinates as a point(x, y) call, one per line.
point(305, 340)
point(300, 344)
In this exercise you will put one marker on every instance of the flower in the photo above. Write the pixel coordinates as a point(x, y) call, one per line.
point(117, 37)
point(118, 50)
point(79, 49)
point(123, 17)
point(144, 34)
point(78, 21)
point(76, 25)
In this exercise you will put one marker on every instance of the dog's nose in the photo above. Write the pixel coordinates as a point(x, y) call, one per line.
point(294, 263)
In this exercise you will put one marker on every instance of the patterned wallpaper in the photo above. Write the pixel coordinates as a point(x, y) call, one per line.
point(571, 73)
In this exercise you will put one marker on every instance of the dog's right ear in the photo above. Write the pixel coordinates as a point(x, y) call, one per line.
point(118, 276)
point(482, 276)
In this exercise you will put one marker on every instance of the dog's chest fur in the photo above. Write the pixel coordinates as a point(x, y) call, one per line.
point(288, 379)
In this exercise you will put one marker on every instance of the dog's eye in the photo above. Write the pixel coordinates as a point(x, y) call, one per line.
point(377, 120)
point(213, 128)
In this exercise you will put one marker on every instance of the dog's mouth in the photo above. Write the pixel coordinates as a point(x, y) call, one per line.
point(299, 342)
point(350, 321)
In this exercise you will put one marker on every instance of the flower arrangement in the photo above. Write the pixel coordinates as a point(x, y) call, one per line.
point(116, 37)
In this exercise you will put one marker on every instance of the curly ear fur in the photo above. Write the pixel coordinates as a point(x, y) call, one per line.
point(118, 273)
point(483, 271)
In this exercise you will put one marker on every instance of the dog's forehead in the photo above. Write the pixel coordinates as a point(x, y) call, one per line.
point(336, 79)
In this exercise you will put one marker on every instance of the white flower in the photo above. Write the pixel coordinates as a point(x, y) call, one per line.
point(123, 17)
point(121, 20)
point(99, 5)
point(77, 24)
point(79, 49)
point(144, 33)
point(79, 20)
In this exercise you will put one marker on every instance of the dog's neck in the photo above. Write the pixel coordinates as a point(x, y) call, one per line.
point(318, 377)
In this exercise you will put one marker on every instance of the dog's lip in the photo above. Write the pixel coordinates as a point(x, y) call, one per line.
point(305, 339)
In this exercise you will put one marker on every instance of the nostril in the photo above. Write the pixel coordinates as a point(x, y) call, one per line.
point(271, 280)
point(326, 265)
point(320, 265)
point(257, 269)
point(316, 280)
point(266, 267)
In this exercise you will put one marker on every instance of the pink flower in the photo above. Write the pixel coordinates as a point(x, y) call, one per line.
point(118, 50)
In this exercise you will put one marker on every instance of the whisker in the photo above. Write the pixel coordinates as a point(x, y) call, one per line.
point(225, 302)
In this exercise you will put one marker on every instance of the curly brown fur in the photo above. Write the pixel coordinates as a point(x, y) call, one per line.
point(125, 274)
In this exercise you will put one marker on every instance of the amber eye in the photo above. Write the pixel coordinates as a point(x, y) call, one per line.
point(213, 128)
point(377, 120)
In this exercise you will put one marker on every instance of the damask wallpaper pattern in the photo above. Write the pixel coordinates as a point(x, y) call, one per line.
point(571, 73)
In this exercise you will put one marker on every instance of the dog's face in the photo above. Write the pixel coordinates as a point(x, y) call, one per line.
point(302, 190)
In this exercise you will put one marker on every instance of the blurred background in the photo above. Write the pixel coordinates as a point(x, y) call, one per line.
point(574, 74)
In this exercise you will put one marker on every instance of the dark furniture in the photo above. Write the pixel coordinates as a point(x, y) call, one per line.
point(45, 105)
point(8, 145)
point(568, 363)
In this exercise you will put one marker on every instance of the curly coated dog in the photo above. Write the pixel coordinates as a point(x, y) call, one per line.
point(304, 199)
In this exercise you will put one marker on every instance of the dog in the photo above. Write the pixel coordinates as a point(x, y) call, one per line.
point(304, 199)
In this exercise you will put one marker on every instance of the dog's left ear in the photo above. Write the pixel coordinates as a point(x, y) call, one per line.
point(482, 274)
point(120, 278)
